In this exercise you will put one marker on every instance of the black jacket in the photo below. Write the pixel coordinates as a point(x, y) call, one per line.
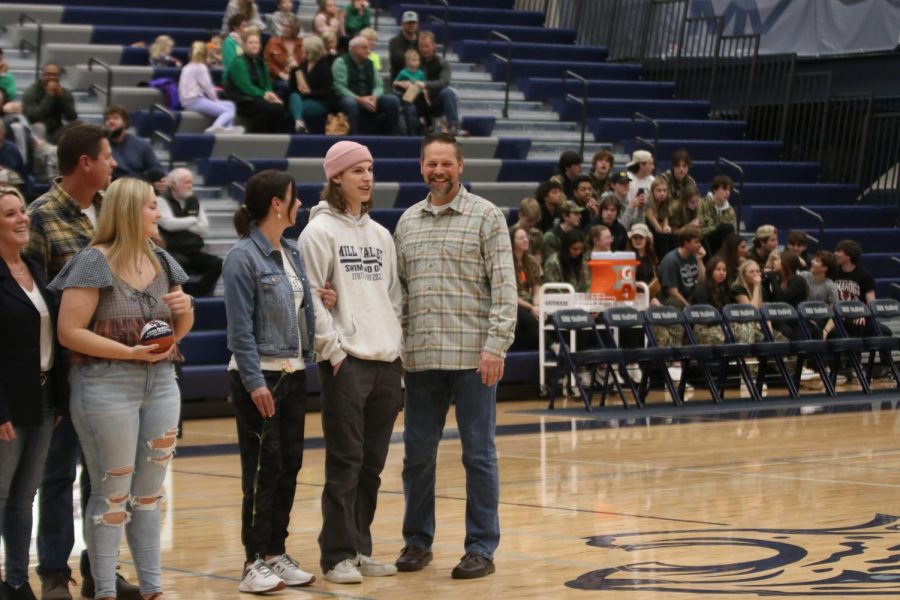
point(20, 352)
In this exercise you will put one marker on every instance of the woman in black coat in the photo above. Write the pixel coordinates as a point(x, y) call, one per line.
point(32, 388)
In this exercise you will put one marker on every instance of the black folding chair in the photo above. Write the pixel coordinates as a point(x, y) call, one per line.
point(777, 312)
point(570, 361)
point(813, 348)
point(852, 346)
point(707, 315)
point(668, 316)
point(623, 318)
point(884, 345)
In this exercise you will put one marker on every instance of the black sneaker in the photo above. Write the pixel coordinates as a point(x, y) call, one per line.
point(23, 592)
point(473, 566)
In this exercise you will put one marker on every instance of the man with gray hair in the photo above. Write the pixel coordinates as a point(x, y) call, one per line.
point(183, 224)
point(358, 85)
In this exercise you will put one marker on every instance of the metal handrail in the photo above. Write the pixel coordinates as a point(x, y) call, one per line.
point(109, 75)
point(23, 18)
point(584, 101)
point(164, 110)
point(638, 140)
point(239, 187)
point(740, 191)
point(444, 41)
point(496, 34)
point(166, 140)
point(234, 158)
point(636, 116)
point(895, 259)
point(99, 90)
point(819, 219)
point(444, 27)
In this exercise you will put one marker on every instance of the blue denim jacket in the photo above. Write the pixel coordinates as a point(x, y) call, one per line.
point(259, 305)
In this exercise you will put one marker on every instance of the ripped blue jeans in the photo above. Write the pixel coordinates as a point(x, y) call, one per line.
point(126, 416)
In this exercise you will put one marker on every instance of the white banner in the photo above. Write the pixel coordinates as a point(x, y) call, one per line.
point(809, 27)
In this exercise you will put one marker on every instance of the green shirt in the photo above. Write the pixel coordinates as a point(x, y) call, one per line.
point(346, 74)
point(242, 80)
point(710, 218)
point(355, 22)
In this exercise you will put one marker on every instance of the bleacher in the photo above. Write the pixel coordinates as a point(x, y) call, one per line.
point(510, 149)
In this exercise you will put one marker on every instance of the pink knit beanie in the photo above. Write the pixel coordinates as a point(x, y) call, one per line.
point(344, 155)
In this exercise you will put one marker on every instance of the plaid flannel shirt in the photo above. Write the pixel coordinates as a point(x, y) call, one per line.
point(59, 230)
point(459, 286)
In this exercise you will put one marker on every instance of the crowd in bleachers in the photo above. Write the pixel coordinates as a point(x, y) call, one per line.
point(686, 244)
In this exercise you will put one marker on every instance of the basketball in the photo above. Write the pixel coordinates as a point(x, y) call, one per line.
point(158, 332)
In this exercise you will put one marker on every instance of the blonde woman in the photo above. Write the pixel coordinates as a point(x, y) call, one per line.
point(311, 92)
point(161, 52)
point(124, 400)
point(196, 93)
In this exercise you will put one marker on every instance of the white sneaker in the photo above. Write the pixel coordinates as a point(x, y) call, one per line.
point(369, 567)
point(344, 572)
point(808, 374)
point(259, 579)
point(289, 570)
point(235, 130)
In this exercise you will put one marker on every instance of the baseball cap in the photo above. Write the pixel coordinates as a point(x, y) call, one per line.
point(641, 230)
point(410, 16)
point(569, 207)
point(620, 177)
point(764, 231)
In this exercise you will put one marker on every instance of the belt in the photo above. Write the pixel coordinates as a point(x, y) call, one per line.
point(45, 378)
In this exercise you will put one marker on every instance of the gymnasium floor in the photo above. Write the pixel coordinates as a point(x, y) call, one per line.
point(785, 504)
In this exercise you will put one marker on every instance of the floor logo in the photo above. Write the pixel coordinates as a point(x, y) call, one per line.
point(861, 560)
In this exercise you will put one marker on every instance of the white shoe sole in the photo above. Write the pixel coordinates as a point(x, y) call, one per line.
point(377, 570)
point(342, 580)
point(300, 582)
point(246, 589)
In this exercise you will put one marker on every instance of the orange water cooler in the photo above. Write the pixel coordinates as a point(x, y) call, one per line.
point(612, 274)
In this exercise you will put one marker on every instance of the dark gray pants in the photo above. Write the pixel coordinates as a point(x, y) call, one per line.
point(359, 407)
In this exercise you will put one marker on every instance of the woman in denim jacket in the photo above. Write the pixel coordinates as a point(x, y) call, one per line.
point(270, 334)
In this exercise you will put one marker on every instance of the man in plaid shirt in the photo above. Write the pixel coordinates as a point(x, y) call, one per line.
point(455, 264)
point(62, 224)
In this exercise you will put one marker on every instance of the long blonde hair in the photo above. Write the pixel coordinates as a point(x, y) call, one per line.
point(754, 289)
point(161, 46)
point(120, 226)
point(199, 52)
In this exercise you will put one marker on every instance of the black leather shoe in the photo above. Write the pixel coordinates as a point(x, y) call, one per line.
point(413, 559)
point(124, 590)
point(473, 566)
point(8, 592)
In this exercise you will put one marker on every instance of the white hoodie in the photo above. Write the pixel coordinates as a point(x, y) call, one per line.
point(357, 256)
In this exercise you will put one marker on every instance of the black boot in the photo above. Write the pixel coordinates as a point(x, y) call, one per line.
point(124, 590)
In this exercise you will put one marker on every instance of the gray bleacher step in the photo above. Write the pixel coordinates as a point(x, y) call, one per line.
point(469, 95)
point(531, 109)
point(552, 150)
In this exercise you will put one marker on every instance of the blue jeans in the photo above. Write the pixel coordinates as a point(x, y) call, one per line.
point(387, 105)
point(126, 416)
point(445, 104)
point(21, 467)
point(56, 524)
point(428, 398)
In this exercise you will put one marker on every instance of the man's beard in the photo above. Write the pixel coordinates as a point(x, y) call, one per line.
point(441, 188)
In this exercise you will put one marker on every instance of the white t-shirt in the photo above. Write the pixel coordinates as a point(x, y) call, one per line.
point(91, 213)
point(274, 363)
point(46, 327)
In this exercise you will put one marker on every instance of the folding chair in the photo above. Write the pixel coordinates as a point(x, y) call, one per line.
point(776, 312)
point(814, 348)
point(705, 314)
point(884, 345)
point(621, 318)
point(569, 360)
point(851, 310)
point(668, 316)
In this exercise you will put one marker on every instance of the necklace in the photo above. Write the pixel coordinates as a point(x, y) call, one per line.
point(18, 273)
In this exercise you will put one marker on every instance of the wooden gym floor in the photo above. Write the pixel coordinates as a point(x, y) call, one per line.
point(787, 504)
